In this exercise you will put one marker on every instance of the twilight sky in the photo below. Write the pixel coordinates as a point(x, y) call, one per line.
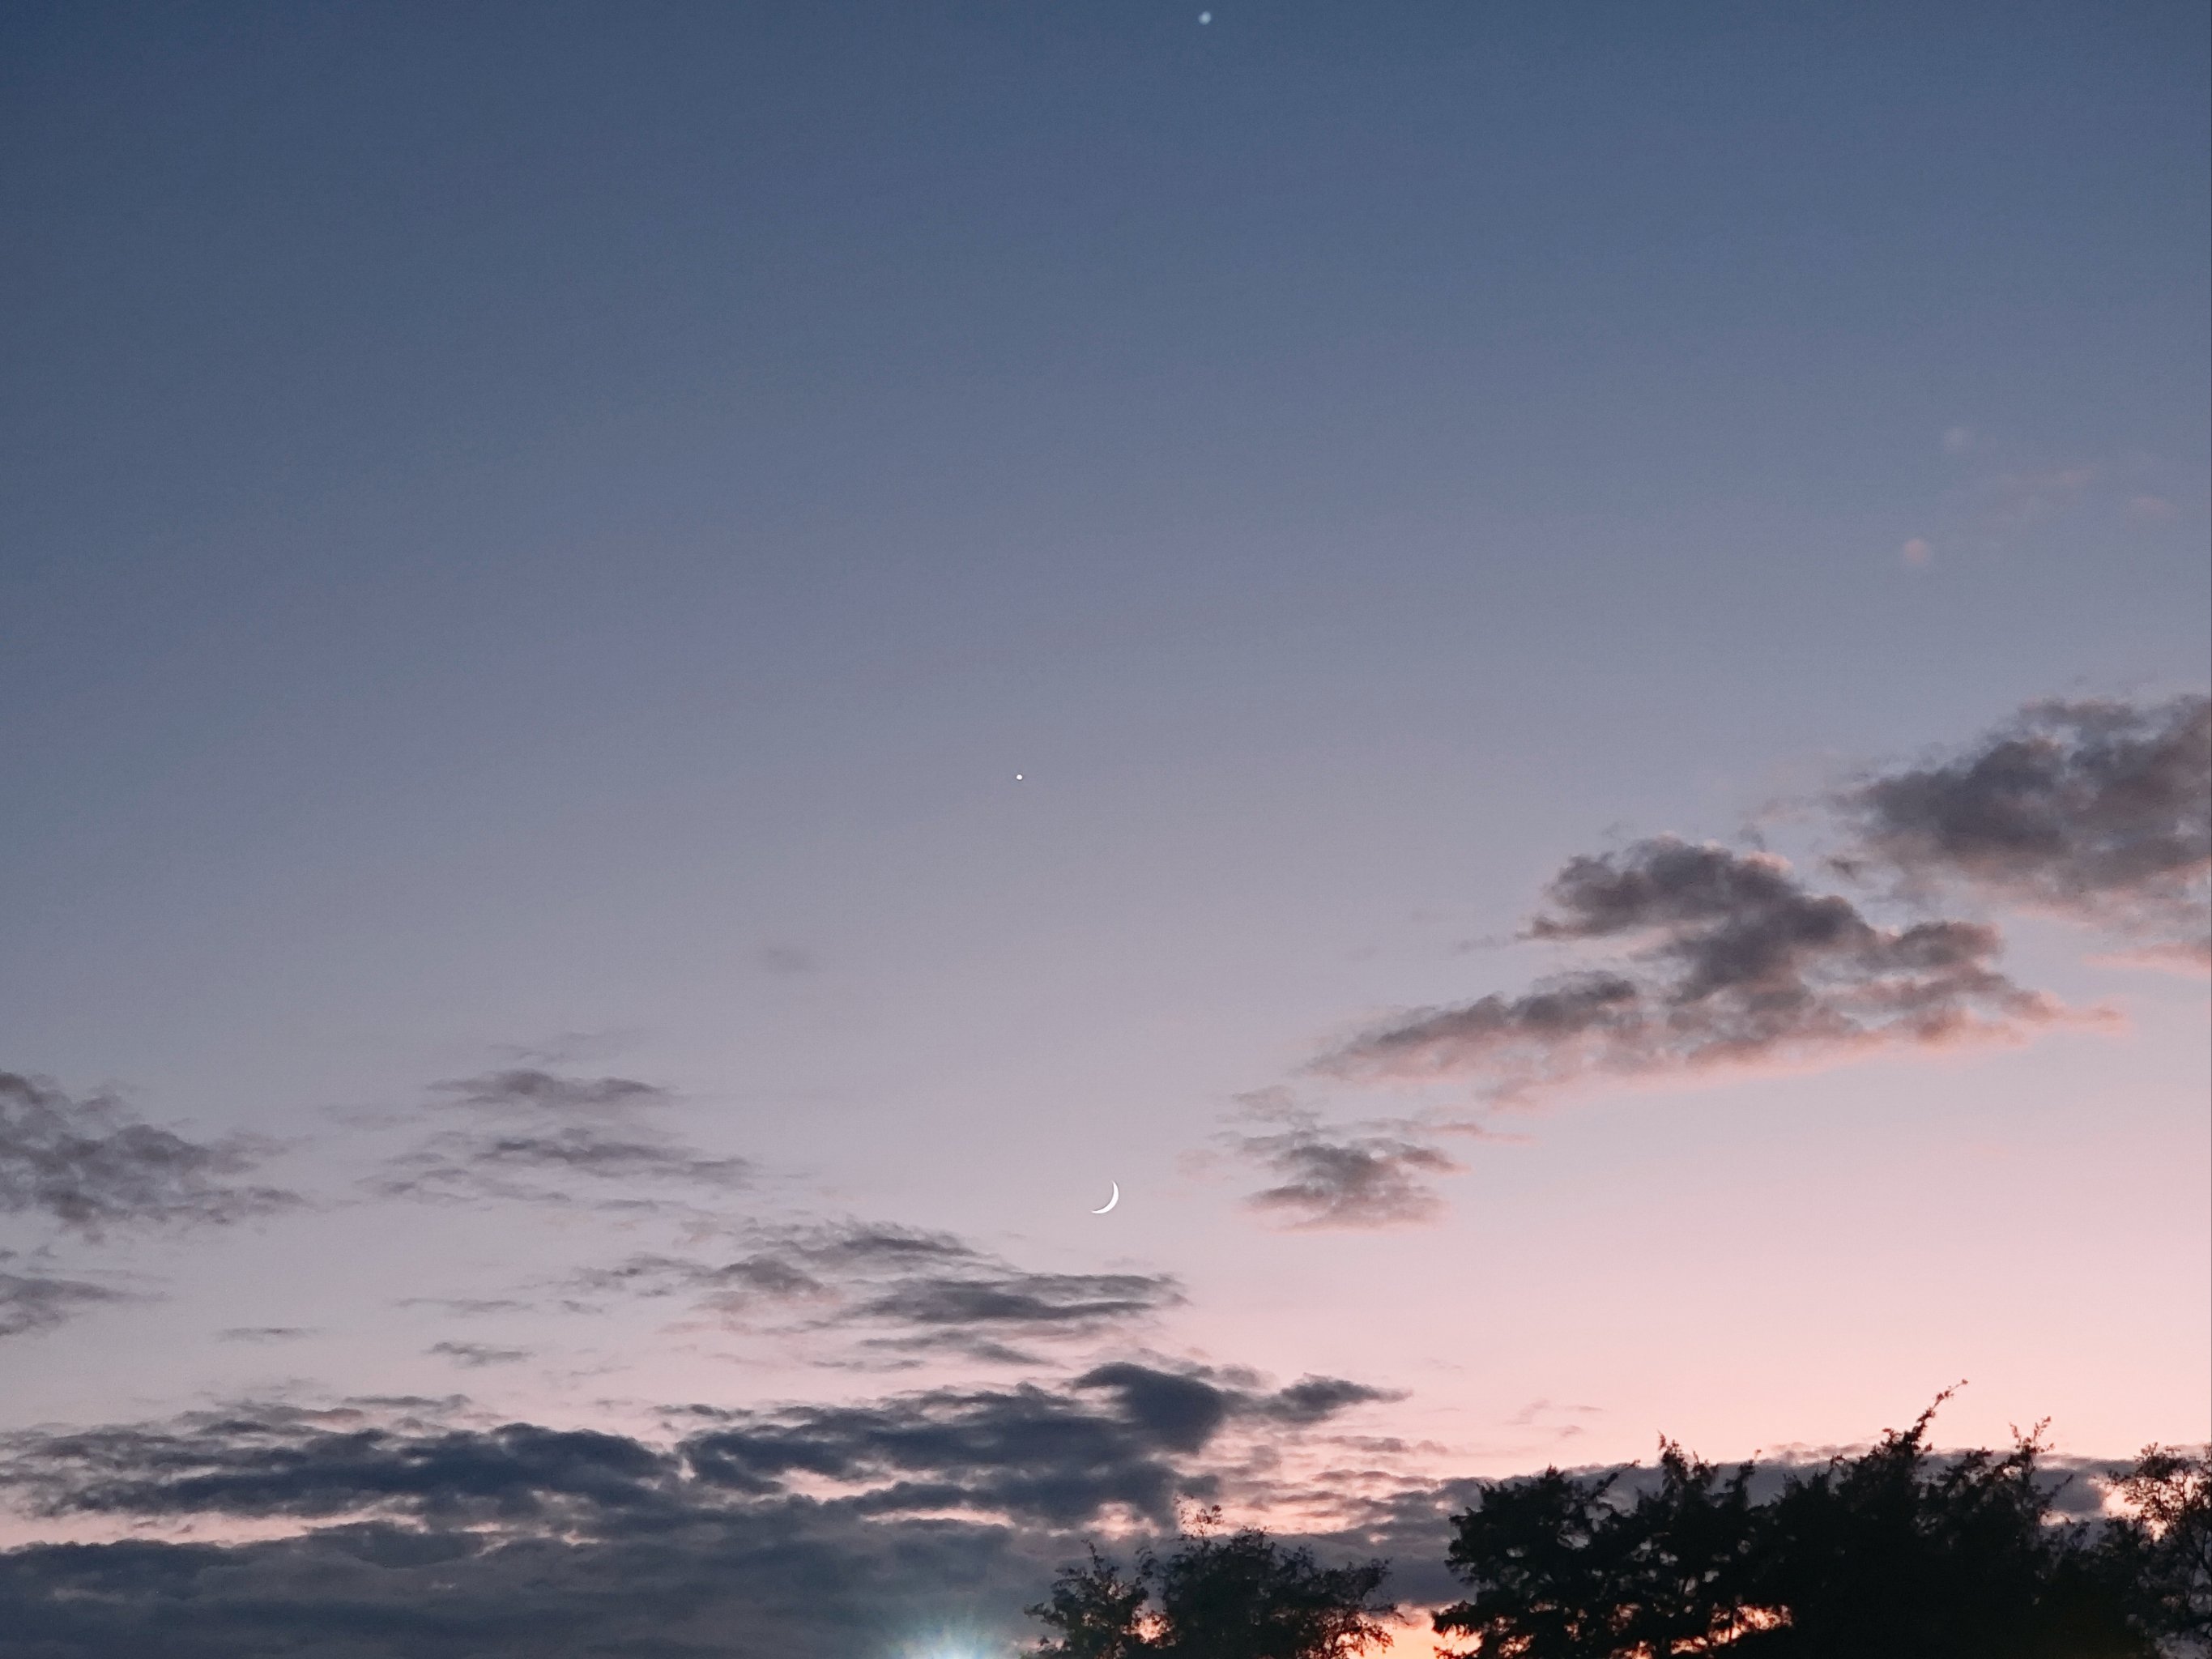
point(673, 675)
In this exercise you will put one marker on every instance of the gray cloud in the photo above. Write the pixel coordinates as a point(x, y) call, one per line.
point(898, 1289)
point(37, 1301)
point(87, 1164)
point(2097, 810)
point(798, 1579)
point(476, 1355)
point(264, 1333)
point(1354, 1177)
point(555, 1139)
point(1105, 1440)
point(421, 1541)
point(532, 1090)
point(1109, 1440)
point(1726, 959)
point(284, 1462)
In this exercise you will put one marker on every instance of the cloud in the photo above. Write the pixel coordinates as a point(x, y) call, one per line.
point(1107, 1441)
point(1354, 1177)
point(1316, 1399)
point(284, 1461)
point(1071, 1452)
point(33, 1302)
point(1722, 959)
point(87, 1164)
point(532, 1090)
point(799, 1580)
point(476, 1355)
point(818, 1531)
point(549, 1142)
point(2099, 811)
point(264, 1333)
point(901, 1289)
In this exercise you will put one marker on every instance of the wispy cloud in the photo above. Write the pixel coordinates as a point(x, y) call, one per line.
point(530, 1089)
point(86, 1164)
point(540, 1136)
point(476, 1355)
point(892, 1289)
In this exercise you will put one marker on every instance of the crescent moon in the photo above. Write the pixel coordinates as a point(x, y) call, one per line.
point(1112, 1201)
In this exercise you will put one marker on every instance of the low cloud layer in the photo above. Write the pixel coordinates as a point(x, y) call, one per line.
point(86, 1164)
point(1722, 959)
point(814, 1530)
point(917, 1524)
point(1104, 1442)
point(2100, 812)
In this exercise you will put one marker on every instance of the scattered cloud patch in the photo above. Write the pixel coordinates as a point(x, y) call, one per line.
point(33, 1301)
point(86, 1164)
point(540, 1136)
point(1360, 1177)
point(1722, 959)
point(2100, 812)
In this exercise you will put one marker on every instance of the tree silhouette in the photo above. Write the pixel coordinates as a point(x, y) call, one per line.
point(2163, 1545)
point(1895, 1551)
point(1233, 1595)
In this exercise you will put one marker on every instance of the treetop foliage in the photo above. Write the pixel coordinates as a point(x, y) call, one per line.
point(1898, 1551)
point(1217, 1596)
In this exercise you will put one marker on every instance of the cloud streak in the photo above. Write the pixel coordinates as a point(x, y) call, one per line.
point(537, 1137)
point(898, 1290)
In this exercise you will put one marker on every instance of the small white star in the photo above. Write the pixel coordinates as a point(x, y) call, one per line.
point(1017, 777)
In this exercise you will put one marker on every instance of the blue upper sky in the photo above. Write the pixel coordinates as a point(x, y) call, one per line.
point(551, 531)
